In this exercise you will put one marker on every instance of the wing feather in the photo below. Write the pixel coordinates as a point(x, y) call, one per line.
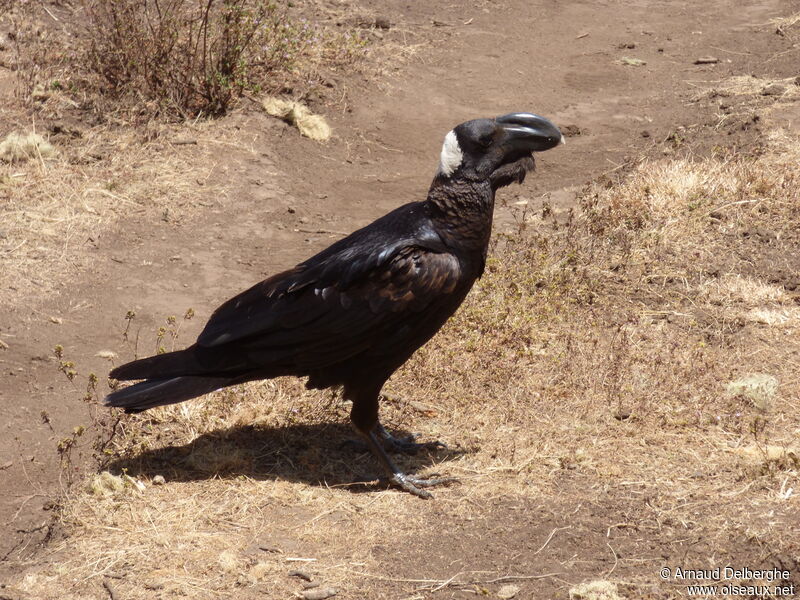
point(301, 319)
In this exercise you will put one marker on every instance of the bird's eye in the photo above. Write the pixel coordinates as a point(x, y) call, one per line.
point(485, 140)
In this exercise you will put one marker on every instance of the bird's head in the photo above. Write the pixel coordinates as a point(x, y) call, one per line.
point(499, 150)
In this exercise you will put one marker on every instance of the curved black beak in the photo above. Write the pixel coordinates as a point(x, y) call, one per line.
point(526, 132)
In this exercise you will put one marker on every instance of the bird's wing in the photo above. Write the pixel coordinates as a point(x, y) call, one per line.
point(322, 314)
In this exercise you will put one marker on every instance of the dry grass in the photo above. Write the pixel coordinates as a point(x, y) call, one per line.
point(297, 114)
point(748, 85)
point(600, 350)
point(20, 148)
point(782, 24)
point(54, 209)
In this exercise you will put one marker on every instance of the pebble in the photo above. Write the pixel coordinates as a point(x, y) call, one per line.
point(319, 593)
point(507, 592)
point(159, 480)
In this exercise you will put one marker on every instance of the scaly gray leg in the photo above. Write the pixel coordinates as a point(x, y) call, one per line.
point(395, 475)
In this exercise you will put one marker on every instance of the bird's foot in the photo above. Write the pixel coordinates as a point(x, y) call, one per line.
point(414, 485)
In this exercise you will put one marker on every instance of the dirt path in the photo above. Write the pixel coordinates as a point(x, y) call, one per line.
point(278, 197)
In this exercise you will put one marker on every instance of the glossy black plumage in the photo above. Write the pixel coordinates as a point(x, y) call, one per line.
point(352, 314)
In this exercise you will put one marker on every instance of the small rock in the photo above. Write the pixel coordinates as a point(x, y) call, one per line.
point(626, 46)
point(645, 134)
point(304, 220)
point(319, 593)
point(300, 574)
point(706, 60)
point(774, 89)
point(310, 585)
point(57, 320)
point(507, 592)
point(633, 62)
point(291, 210)
point(159, 480)
point(571, 130)
point(382, 23)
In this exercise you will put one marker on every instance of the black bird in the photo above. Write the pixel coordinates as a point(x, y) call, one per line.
point(352, 314)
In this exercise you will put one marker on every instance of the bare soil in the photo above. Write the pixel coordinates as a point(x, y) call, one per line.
point(261, 198)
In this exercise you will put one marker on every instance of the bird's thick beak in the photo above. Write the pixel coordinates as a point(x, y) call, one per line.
point(525, 132)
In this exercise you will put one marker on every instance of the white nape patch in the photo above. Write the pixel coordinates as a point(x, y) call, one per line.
point(451, 154)
point(562, 141)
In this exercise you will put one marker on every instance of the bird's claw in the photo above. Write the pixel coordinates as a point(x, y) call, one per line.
point(414, 485)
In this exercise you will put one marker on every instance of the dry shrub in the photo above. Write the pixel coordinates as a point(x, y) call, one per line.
point(169, 58)
point(197, 57)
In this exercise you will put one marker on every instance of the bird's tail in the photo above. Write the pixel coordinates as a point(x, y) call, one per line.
point(161, 366)
point(160, 392)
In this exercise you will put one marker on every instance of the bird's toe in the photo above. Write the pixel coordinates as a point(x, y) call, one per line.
point(416, 485)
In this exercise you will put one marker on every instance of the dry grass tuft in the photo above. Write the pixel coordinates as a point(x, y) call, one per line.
point(784, 23)
point(749, 85)
point(595, 590)
point(759, 388)
point(310, 125)
point(590, 367)
point(19, 148)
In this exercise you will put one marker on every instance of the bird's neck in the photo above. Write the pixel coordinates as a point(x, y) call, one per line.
point(462, 212)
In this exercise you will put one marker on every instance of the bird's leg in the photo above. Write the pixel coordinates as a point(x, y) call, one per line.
point(406, 445)
point(364, 416)
point(408, 483)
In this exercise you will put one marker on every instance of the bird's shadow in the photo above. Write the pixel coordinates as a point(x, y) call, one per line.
point(316, 454)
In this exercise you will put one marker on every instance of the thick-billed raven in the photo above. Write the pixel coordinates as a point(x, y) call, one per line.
point(352, 314)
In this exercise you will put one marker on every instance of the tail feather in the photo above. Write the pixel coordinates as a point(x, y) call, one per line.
point(161, 392)
point(160, 366)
